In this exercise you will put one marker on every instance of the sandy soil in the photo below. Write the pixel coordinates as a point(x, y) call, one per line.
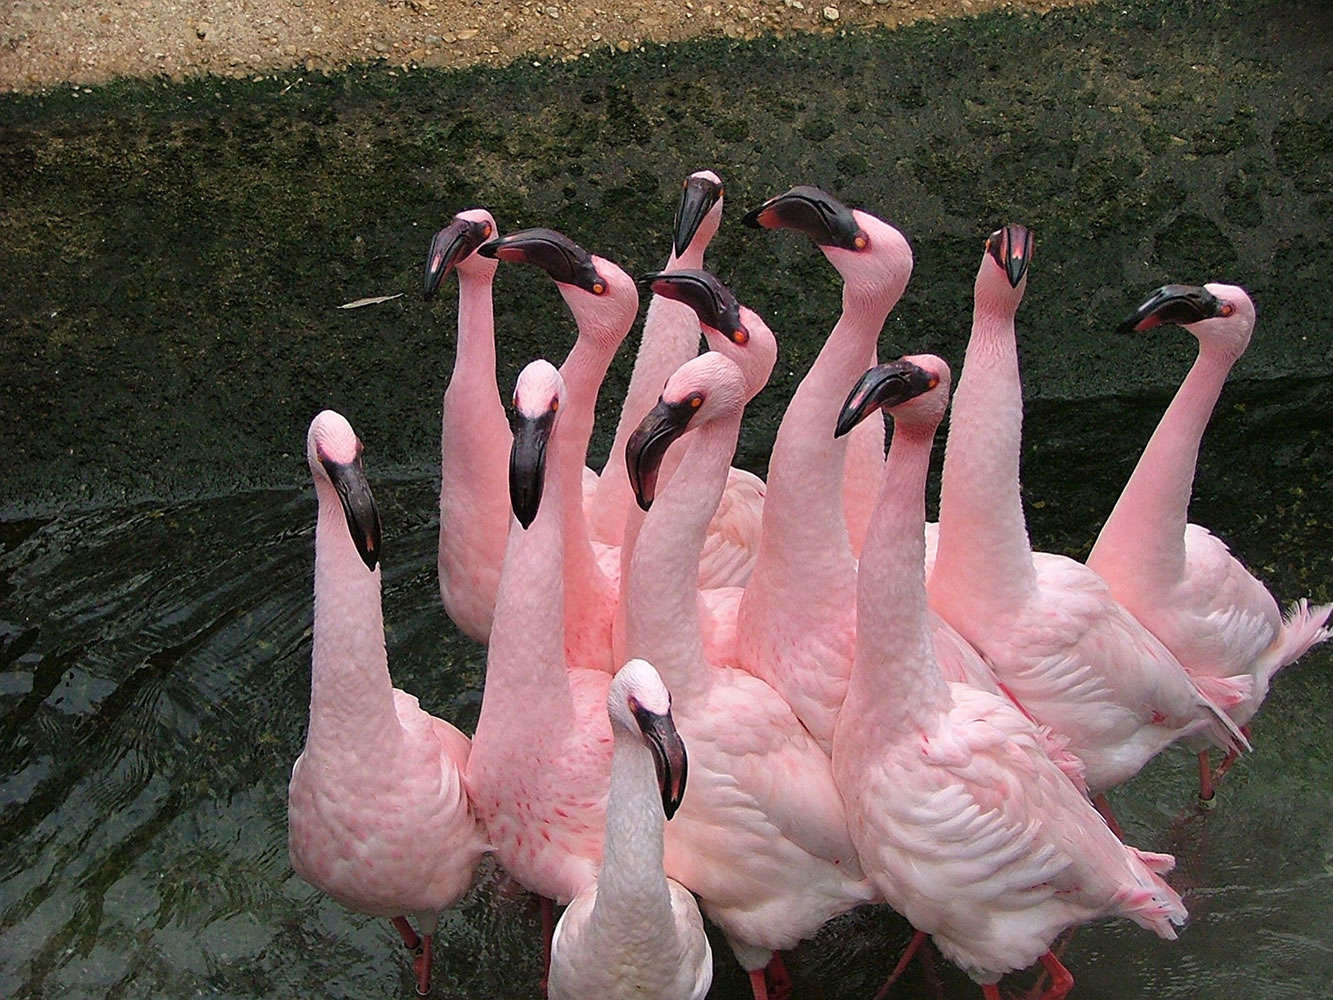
point(46, 43)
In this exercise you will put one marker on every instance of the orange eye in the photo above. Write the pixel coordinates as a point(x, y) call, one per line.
point(934, 381)
point(860, 241)
point(487, 230)
point(696, 401)
point(1227, 309)
point(598, 288)
point(740, 336)
point(555, 405)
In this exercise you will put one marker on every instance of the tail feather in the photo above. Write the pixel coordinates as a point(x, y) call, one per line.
point(1303, 628)
point(1225, 692)
point(1155, 906)
point(1223, 732)
point(1158, 864)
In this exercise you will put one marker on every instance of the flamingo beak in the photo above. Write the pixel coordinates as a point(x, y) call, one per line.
point(696, 201)
point(527, 465)
point(363, 517)
point(1011, 248)
point(451, 244)
point(816, 213)
point(555, 253)
point(648, 444)
point(1176, 304)
point(881, 388)
point(711, 300)
point(669, 757)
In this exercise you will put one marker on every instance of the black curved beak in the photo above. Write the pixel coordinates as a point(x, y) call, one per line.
point(696, 201)
point(668, 750)
point(527, 465)
point(881, 387)
point(816, 213)
point(363, 517)
point(1177, 304)
point(555, 253)
point(648, 444)
point(1011, 248)
point(451, 244)
point(712, 301)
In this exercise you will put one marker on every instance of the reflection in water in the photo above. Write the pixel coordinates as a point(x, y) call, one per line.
point(154, 689)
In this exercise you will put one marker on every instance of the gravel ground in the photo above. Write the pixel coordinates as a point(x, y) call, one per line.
point(47, 43)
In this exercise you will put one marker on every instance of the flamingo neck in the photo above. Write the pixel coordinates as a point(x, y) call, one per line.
point(984, 557)
point(662, 616)
point(351, 694)
point(633, 902)
point(896, 684)
point(1145, 533)
point(474, 357)
point(525, 662)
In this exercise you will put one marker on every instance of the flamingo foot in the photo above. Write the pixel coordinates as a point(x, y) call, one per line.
point(758, 985)
point(421, 965)
point(410, 940)
point(917, 940)
point(777, 981)
point(1103, 806)
point(1061, 979)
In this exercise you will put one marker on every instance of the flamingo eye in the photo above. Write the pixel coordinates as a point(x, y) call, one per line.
point(860, 241)
point(555, 404)
point(696, 400)
point(486, 230)
point(740, 336)
point(598, 288)
point(1227, 309)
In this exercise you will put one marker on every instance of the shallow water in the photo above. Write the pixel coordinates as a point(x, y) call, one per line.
point(154, 690)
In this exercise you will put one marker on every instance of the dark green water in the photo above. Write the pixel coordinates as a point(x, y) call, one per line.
point(171, 259)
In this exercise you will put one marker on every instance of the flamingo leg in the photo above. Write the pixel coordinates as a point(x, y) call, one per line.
point(917, 940)
point(991, 991)
point(405, 931)
point(1061, 980)
point(758, 985)
point(1231, 757)
point(777, 981)
point(1206, 789)
point(421, 965)
point(1103, 806)
point(547, 907)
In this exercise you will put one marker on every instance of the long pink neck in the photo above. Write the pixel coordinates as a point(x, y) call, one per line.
point(984, 558)
point(1145, 533)
point(525, 663)
point(804, 547)
point(670, 338)
point(351, 694)
point(662, 613)
point(896, 684)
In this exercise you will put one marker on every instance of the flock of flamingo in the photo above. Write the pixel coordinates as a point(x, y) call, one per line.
point(870, 707)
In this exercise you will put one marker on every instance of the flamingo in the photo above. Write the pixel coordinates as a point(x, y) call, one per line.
point(1071, 655)
point(604, 301)
point(377, 814)
point(1175, 577)
point(635, 934)
point(796, 624)
point(474, 438)
point(762, 837)
point(541, 754)
point(960, 818)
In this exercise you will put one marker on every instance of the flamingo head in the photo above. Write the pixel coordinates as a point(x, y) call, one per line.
point(455, 246)
point(698, 214)
point(640, 705)
point(731, 328)
point(537, 399)
point(602, 297)
point(703, 389)
point(914, 389)
point(334, 453)
point(1002, 276)
point(1220, 316)
point(873, 258)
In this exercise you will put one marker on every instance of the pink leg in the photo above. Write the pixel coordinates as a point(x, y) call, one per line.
point(758, 985)
point(1231, 757)
point(1061, 981)
point(1103, 805)
point(548, 932)
point(991, 992)
point(917, 940)
point(777, 981)
point(1206, 789)
point(422, 966)
point(409, 936)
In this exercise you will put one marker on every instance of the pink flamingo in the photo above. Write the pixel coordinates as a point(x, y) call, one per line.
point(1174, 577)
point(474, 438)
point(796, 625)
point(378, 817)
point(961, 820)
point(1071, 655)
point(541, 754)
point(604, 301)
point(762, 837)
point(635, 933)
